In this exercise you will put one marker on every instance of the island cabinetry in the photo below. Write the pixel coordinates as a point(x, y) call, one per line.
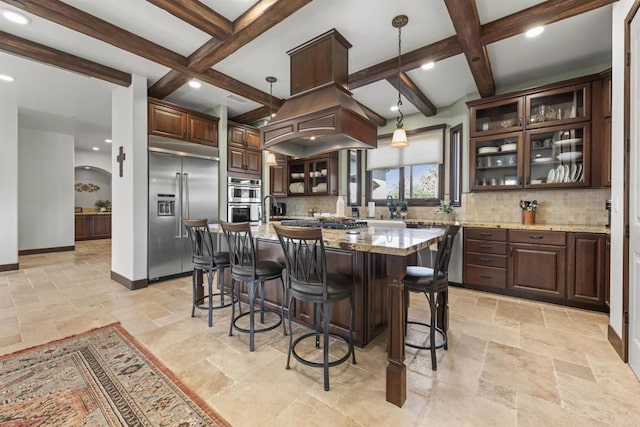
point(88, 226)
point(278, 182)
point(174, 122)
point(243, 151)
point(587, 268)
point(537, 263)
point(485, 260)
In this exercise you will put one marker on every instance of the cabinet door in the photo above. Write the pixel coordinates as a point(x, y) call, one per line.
point(253, 162)
point(607, 270)
point(253, 138)
point(606, 95)
point(565, 105)
point(82, 227)
point(496, 162)
point(605, 159)
point(202, 130)
point(537, 269)
point(278, 180)
point(236, 136)
point(496, 117)
point(101, 226)
point(297, 177)
point(558, 157)
point(167, 122)
point(586, 268)
point(235, 159)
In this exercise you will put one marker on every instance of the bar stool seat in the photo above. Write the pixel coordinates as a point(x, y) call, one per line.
point(210, 262)
point(433, 283)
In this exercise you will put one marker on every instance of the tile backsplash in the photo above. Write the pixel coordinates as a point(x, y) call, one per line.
point(584, 207)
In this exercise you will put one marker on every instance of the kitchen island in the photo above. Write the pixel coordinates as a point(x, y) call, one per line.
point(377, 259)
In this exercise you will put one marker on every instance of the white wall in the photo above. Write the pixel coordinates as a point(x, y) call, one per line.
point(97, 177)
point(129, 192)
point(45, 190)
point(620, 11)
point(8, 183)
point(98, 159)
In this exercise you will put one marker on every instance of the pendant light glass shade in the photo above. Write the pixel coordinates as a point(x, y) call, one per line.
point(399, 138)
point(271, 159)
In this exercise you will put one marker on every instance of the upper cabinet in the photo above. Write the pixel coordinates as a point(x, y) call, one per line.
point(244, 157)
point(540, 137)
point(174, 122)
point(316, 176)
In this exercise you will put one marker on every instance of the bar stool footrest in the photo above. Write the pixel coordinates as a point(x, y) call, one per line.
point(442, 333)
point(257, 330)
point(320, 364)
point(199, 304)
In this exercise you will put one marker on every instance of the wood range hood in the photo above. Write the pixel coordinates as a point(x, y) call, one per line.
point(320, 116)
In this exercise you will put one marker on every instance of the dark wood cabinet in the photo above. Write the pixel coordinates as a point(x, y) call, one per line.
point(174, 122)
point(485, 257)
point(278, 183)
point(537, 269)
point(586, 275)
point(607, 270)
point(88, 226)
point(317, 176)
point(244, 157)
point(601, 128)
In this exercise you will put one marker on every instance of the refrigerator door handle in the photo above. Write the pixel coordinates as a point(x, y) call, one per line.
point(179, 216)
point(186, 193)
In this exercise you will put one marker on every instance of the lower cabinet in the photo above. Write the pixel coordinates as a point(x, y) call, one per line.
point(93, 227)
point(553, 266)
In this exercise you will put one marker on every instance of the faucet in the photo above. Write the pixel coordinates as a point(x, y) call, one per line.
point(263, 217)
point(392, 207)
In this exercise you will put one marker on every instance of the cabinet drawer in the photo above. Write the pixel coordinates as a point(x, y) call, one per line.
point(485, 247)
point(486, 276)
point(538, 237)
point(485, 233)
point(485, 259)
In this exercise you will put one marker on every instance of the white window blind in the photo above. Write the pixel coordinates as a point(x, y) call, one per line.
point(424, 148)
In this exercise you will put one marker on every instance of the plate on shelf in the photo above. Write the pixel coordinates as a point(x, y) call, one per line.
point(568, 141)
point(579, 174)
point(552, 175)
point(485, 150)
point(536, 181)
point(512, 146)
point(570, 156)
point(543, 160)
point(559, 174)
point(567, 176)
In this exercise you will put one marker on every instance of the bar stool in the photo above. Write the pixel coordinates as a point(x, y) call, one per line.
point(432, 282)
point(208, 261)
point(309, 281)
point(246, 268)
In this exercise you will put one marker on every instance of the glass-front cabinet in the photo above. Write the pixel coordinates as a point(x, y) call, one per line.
point(314, 176)
point(496, 162)
point(558, 156)
point(558, 106)
point(496, 117)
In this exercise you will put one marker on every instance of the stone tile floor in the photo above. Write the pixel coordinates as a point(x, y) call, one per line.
point(510, 361)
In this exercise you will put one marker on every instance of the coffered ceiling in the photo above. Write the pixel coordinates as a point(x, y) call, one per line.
point(232, 45)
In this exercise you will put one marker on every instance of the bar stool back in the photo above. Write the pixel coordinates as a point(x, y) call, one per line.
point(206, 260)
point(309, 281)
point(434, 284)
point(246, 268)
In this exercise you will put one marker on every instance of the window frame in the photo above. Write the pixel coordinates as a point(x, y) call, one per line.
point(358, 174)
point(455, 167)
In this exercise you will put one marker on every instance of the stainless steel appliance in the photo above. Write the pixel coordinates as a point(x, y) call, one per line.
point(244, 201)
point(180, 186)
point(278, 209)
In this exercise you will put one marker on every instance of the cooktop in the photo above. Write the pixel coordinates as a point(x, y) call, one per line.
point(334, 225)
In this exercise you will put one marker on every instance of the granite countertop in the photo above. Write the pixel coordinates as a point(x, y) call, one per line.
point(390, 241)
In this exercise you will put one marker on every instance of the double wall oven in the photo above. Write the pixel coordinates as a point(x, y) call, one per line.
point(244, 200)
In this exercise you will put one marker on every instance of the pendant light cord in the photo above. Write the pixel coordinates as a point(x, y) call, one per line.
point(400, 116)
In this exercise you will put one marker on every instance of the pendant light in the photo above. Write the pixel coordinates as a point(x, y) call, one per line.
point(271, 158)
point(399, 138)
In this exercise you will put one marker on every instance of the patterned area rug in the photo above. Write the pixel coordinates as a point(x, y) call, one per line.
point(98, 378)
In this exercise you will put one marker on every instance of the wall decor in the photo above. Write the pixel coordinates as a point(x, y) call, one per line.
point(80, 187)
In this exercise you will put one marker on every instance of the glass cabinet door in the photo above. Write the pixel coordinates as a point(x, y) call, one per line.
point(496, 117)
point(558, 106)
point(496, 162)
point(558, 157)
point(318, 172)
point(297, 178)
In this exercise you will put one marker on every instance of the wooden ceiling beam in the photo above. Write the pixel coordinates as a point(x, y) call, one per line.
point(47, 55)
point(373, 116)
point(198, 15)
point(413, 94)
point(541, 14)
point(252, 116)
point(464, 15)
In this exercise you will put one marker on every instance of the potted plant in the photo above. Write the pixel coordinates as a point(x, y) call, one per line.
point(445, 208)
point(103, 205)
point(404, 208)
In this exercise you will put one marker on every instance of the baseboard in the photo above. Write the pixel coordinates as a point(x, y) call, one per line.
point(9, 267)
point(616, 342)
point(129, 284)
point(46, 250)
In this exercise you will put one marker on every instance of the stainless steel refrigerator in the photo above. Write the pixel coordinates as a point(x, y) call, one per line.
point(179, 187)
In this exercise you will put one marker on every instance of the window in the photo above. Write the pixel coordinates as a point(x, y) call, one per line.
point(354, 194)
point(455, 165)
point(414, 173)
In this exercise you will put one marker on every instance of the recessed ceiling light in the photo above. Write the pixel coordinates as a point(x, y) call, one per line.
point(87, 167)
point(6, 78)
point(15, 17)
point(108, 140)
point(394, 108)
point(195, 84)
point(95, 149)
point(534, 32)
point(428, 65)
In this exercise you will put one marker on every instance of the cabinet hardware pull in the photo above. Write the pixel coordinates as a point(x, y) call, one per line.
point(485, 276)
point(486, 246)
point(519, 180)
point(536, 236)
point(511, 251)
point(486, 234)
point(486, 260)
point(519, 121)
